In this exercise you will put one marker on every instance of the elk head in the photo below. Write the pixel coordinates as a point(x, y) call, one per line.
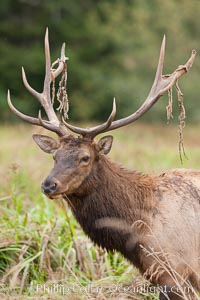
point(74, 160)
point(76, 157)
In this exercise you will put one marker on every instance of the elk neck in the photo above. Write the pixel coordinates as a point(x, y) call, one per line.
point(112, 192)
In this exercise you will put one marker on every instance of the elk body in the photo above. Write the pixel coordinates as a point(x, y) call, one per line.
point(154, 221)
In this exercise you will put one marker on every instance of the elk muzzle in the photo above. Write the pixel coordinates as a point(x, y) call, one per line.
point(50, 186)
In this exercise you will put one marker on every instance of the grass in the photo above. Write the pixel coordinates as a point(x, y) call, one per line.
point(43, 251)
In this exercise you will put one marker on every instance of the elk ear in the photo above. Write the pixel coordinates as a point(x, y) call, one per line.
point(46, 143)
point(104, 144)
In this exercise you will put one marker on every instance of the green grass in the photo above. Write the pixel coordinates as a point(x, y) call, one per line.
point(43, 251)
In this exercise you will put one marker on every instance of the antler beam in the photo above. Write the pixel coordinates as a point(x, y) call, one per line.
point(162, 83)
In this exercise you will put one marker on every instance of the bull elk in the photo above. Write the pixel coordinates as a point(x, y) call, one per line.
point(154, 221)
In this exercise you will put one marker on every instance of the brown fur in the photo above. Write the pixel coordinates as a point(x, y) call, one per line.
point(154, 221)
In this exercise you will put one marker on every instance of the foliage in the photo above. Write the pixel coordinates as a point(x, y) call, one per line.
point(113, 48)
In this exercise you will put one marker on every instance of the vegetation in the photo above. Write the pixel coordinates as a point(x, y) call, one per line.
point(113, 48)
point(41, 246)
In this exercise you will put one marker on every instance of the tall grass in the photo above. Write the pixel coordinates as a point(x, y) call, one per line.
point(43, 251)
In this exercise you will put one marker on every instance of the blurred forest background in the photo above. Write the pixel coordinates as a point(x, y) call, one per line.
point(113, 48)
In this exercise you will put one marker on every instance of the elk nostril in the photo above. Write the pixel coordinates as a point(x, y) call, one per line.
point(49, 187)
point(54, 186)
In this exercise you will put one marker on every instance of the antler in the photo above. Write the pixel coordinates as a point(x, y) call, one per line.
point(162, 83)
point(44, 98)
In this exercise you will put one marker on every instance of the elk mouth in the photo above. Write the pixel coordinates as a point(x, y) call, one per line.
point(51, 195)
point(53, 189)
point(55, 195)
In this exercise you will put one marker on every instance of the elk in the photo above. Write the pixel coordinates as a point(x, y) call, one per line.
point(153, 220)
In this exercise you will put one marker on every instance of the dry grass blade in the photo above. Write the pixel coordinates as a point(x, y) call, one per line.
point(46, 238)
point(181, 117)
point(169, 107)
point(181, 120)
point(62, 96)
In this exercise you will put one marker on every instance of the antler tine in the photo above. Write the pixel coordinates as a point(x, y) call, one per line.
point(105, 126)
point(39, 122)
point(93, 131)
point(44, 98)
point(22, 116)
point(61, 64)
point(28, 87)
point(161, 60)
point(47, 80)
point(46, 94)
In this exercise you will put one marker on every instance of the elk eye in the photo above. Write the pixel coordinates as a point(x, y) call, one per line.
point(85, 159)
